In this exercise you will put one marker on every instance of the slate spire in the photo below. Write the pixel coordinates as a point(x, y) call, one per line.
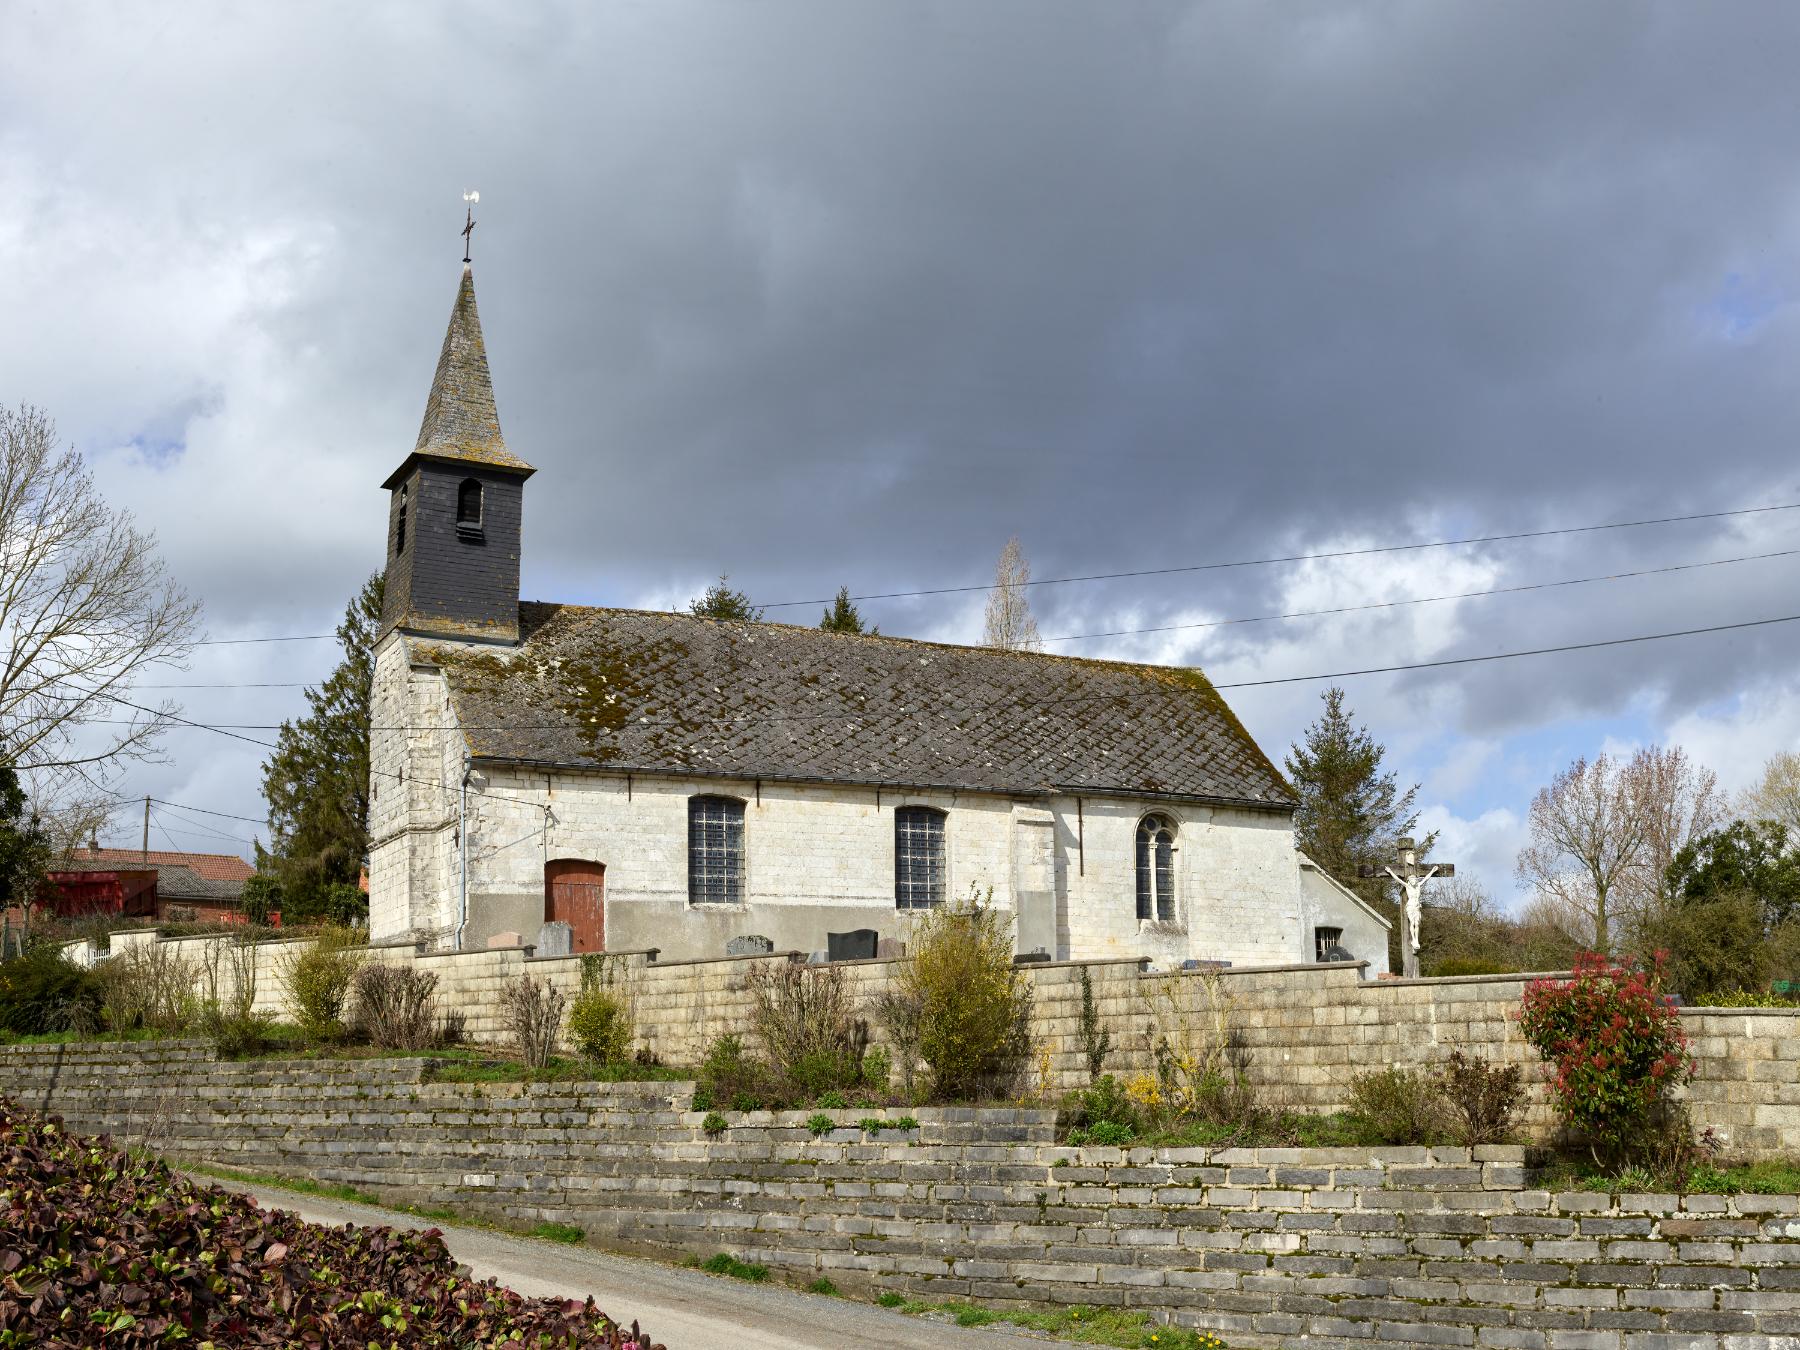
point(461, 423)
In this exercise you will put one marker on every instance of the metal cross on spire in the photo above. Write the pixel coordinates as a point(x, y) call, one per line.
point(1412, 876)
point(470, 198)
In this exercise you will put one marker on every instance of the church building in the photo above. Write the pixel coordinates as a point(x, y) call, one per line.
point(661, 780)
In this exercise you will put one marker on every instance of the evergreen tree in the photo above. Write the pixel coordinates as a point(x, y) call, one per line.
point(1351, 812)
point(844, 617)
point(24, 845)
point(317, 781)
point(721, 602)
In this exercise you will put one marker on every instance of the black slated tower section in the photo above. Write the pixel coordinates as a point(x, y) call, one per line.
point(455, 504)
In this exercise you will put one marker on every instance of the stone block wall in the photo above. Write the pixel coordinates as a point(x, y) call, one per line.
point(1332, 1249)
point(1306, 1030)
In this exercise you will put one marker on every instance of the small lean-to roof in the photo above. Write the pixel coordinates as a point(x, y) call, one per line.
point(462, 423)
point(657, 692)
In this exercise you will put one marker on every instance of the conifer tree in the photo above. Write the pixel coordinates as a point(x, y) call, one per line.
point(1351, 812)
point(317, 781)
point(721, 602)
point(844, 617)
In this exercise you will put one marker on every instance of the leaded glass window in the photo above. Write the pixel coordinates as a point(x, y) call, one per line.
point(918, 858)
point(715, 851)
point(1156, 868)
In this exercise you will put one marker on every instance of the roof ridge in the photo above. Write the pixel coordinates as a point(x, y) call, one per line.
point(999, 652)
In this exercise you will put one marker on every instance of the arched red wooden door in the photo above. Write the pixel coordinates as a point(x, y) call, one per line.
point(575, 894)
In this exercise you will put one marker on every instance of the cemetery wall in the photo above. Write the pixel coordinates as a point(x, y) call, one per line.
point(1274, 1247)
point(1304, 1031)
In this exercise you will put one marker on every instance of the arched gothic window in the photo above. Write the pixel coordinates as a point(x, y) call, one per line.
point(468, 502)
point(919, 868)
point(1156, 868)
point(715, 851)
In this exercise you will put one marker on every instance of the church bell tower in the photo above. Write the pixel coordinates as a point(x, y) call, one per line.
point(455, 503)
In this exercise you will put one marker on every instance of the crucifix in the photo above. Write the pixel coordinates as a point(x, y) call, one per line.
point(468, 229)
point(1412, 876)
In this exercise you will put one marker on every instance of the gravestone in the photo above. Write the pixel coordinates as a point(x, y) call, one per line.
point(555, 938)
point(749, 944)
point(506, 940)
point(890, 949)
point(857, 945)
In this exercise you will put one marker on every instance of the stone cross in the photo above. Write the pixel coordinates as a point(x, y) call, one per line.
point(1412, 876)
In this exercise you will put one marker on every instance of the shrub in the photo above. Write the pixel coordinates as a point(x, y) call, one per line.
point(531, 1010)
point(807, 1024)
point(116, 1249)
point(730, 1078)
point(974, 1004)
point(228, 1015)
point(1113, 1133)
point(714, 1123)
point(901, 1011)
point(395, 1007)
point(147, 985)
point(819, 1124)
point(1105, 1102)
point(1201, 1061)
point(1469, 965)
point(318, 978)
point(1480, 1098)
point(42, 991)
point(600, 1025)
point(832, 1101)
point(1617, 1045)
point(877, 1069)
point(1399, 1106)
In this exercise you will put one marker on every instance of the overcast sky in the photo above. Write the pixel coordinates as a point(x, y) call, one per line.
point(847, 293)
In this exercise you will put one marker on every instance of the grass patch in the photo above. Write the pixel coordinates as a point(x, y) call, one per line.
point(1780, 1176)
point(482, 1067)
point(823, 1286)
point(1083, 1325)
point(559, 1232)
point(1339, 1130)
point(71, 1038)
point(727, 1264)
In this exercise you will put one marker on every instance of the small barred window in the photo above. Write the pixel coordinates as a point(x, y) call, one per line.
point(715, 851)
point(919, 870)
point(1324, 940)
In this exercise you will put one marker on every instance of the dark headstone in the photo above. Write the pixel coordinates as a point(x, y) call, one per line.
point(1338, 954)
point(555, 938)
point(749, 944)
point(857, 945)
point(1030, 958)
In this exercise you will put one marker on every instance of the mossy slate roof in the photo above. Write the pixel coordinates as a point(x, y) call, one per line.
point(659, 692)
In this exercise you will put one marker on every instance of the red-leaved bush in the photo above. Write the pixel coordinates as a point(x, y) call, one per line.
point(1617, 1045)
point(101, 1248)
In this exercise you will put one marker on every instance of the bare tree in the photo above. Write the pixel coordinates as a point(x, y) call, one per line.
point(1009, 622)
point(1603, 835)
point(1679, 801)
point(1587, 833)
point(1777, 796)
point(85, 604)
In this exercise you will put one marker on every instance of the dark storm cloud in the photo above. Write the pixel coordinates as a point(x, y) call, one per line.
point(826, 293)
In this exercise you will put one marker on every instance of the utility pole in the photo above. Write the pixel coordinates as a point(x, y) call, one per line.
point(146, 844)
point(1412, 876)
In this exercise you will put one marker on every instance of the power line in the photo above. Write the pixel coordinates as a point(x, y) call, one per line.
point(1419, 600)
point(1305, 557)
point(243, 642)
point(234, 729)
point(1510, 656)
point(183, 806)
point(1254, 618)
